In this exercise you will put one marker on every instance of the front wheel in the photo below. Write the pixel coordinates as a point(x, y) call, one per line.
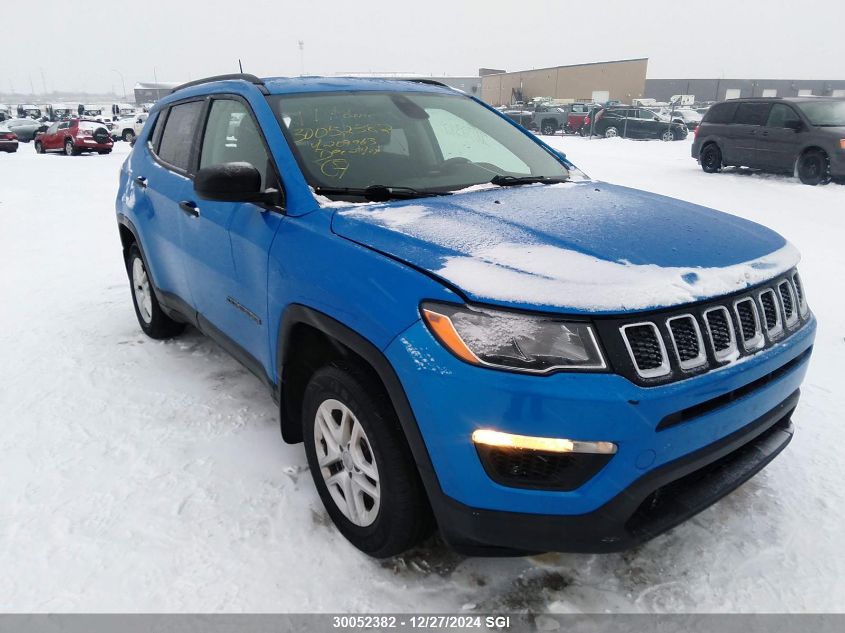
point(128, 136)
point(70, 150)
point(814, 167)
point(152, 319)
point(548, 129)
point(667, 136)
point(611, 132)
point(360, 462)
point(39, 148)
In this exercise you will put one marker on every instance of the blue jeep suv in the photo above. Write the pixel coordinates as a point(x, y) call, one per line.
point(463, 329)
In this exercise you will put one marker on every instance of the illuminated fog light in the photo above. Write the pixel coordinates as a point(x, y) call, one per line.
point(489, 437)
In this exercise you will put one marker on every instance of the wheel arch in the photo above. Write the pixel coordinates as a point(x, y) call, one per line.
point(307, 340)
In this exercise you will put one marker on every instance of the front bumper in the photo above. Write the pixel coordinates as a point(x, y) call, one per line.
point(837, 164)
point(450, 399)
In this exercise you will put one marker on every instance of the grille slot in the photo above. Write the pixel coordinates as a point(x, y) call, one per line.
point(749, 323)
point(686, 339)
point(645, 345)
point(787, 299)
point(721, 331)
point(799, 292)
point(771, 312)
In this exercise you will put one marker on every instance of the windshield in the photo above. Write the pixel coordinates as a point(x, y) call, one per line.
point(426, 142)
point(824, 113)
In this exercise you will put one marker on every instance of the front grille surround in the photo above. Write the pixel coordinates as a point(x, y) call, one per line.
point(727, 329)
point(728, 351)
point(646, 371)
point(756, 340)
point(700, 357)
point(788, 301)
point(798, 285)
point(771, 313)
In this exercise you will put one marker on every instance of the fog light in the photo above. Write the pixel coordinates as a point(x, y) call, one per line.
point(489, 437)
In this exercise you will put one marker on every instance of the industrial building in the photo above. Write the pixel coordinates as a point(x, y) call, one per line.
point(621, 80)
point(152, 92)
point(720, 89)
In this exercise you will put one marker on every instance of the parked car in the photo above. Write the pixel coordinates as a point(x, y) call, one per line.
point(127, 128)
point(549, 118)
point(122, 111)
point(29, 111)
point(577, 113)
point(91, 111)
point(685, 116)
point(638, 123)
point(25, 129)
point(8, 140)
point(74, 137)
point(434, 349)
point(524, 117)
point(59, 111)
point(792, 135)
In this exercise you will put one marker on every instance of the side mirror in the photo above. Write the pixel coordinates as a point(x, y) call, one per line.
point(232, 182)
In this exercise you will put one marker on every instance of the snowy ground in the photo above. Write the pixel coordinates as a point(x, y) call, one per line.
point(144, 476)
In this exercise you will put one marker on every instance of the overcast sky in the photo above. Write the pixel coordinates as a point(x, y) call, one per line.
point(86, 46)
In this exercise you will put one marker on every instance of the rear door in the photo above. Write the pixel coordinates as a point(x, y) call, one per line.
point(166, 181)
point(749, 121)
point(778, 143)
point(227, 244)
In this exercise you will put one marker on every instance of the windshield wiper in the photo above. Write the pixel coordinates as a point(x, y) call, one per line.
point(511, 181)
point(380, 193)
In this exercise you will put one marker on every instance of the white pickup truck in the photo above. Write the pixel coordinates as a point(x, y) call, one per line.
point(127, 128)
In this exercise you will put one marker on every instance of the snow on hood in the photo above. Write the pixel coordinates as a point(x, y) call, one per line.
point(578, 246)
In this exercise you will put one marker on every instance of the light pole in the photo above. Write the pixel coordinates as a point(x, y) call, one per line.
point(122, 83)
point(301, 45)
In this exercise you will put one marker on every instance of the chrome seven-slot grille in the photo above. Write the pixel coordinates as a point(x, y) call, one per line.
point(676, 344)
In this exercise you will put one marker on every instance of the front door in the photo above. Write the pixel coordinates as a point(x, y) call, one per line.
point(227, 245)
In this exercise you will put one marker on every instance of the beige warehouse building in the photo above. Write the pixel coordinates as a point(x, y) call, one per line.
point(621, 80)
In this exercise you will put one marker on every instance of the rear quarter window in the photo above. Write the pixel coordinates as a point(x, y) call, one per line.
point(720, 113)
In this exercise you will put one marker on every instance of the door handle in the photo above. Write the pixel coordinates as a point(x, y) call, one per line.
point(141, 182)
point(190, 208)
point(766, 133)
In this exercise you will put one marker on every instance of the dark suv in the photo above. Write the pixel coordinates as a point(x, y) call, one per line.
point(801, 135)
point(629, 122)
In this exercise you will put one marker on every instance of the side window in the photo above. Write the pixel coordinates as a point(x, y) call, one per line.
point(232, 135)
point(63, 126)
point(751, 113)
point(458, 138)
point(721, 113)
point(52, 129)
point(782, 116)
point(178, 134)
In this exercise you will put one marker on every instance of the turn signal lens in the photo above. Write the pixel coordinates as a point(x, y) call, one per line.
point(842, 143)
point(489, 437)
point(445, 331)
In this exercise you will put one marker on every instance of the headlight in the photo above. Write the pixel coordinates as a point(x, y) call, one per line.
point(510, 340)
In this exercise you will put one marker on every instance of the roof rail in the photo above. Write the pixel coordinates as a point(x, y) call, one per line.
point(430, 82)
point(256, 81)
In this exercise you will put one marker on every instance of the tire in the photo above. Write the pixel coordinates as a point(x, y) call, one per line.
point(152, 319)
point(39, 148)
point(342, 402)
point(548, 128)
point(611, 132)
point(813, 167)
point(70, 150)
point(711, 158)
point(128, 135)
point(667, 136)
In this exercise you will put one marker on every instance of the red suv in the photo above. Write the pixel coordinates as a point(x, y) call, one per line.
point(74, 137)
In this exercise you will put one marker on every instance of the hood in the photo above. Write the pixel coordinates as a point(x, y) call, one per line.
point(576, 247)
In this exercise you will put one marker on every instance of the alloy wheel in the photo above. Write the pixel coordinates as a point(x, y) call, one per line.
point(347, 462)
point(142, 290)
